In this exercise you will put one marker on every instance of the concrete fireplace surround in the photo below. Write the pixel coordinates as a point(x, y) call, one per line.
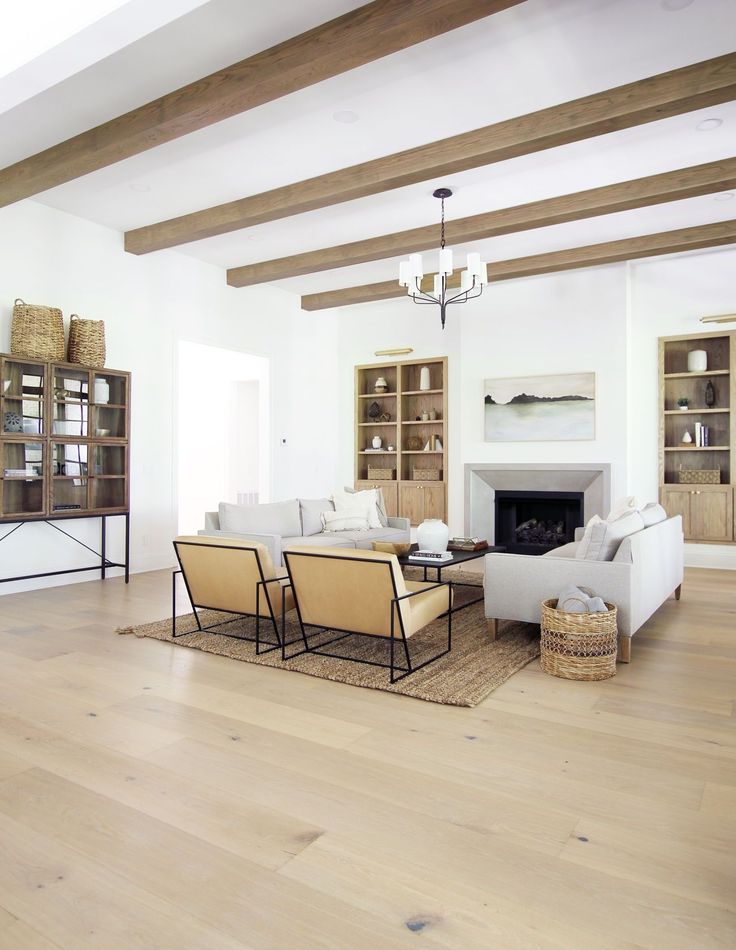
point(482, 480)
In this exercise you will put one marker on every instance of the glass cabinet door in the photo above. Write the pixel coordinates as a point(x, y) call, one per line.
point(70, 402)
point(22, 396)
point(69, 483)
point(22, 481)
point(110, 402)
point(109, 476)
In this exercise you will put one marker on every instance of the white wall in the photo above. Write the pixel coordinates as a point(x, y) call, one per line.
point(667, 297)
point(604, 320)
point(148, 304)
point(554, 324)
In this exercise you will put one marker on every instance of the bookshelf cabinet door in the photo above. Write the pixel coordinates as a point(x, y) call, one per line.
point(676, 501)
point(711, 514)
point(434, 501)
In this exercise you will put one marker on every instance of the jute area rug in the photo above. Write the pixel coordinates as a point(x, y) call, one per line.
point(473, 669)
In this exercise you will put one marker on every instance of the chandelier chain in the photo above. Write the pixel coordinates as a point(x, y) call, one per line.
point(442, 226)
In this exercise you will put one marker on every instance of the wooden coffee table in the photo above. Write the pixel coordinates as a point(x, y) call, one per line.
point(458, 557)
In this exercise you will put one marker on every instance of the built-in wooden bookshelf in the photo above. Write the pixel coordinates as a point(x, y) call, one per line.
point(707, 509)
point(416, 418)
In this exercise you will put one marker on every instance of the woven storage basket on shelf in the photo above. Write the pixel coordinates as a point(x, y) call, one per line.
point(37, 332)
point(699, 476)
point(578, 646)
point(87, 342)
point(426, 474)
point(382, 474)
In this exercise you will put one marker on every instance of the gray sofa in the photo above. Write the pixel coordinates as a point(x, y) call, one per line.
point(296, 522)
point(646, 570)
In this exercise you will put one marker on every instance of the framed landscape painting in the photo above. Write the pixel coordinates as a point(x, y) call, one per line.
point(540, 408)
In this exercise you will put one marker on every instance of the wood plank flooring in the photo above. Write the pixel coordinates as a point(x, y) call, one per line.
point(155, 797)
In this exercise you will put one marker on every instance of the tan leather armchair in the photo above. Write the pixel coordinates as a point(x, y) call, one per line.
point(236, 577)
point(363, 593)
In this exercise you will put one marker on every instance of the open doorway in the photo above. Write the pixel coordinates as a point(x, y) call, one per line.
point(223, 431)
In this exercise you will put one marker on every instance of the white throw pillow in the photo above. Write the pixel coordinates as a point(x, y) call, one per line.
point(380, 502)
point(622, 507)
point(652, 513)
point(366, 500)
point(602, 538)
point(347, 519)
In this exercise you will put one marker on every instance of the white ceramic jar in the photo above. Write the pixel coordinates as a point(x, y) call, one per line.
point(433, 535)
point(377, 442)
point(424, 381)
point(697, 361)
point(102, 392)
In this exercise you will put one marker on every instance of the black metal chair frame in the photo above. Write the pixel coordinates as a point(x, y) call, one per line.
point(393, 638)
point(280, 634)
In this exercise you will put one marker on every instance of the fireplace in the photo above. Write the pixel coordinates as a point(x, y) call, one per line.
point(533, 522)
point(568, 480)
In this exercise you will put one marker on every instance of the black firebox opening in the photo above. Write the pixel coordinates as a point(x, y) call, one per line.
point(533, 522)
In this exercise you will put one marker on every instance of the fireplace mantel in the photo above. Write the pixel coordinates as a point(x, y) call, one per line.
point(482, 480)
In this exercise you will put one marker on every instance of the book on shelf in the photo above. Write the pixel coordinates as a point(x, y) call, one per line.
point(431, 557)
point(702, 435)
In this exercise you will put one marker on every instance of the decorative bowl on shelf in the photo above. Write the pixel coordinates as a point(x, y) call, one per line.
point(399, 548)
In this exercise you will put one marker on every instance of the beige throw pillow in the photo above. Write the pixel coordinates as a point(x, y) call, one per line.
point(602, 538)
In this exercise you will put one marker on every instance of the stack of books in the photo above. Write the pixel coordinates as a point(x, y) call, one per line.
point(431, 557)
point(702, 435)
point(467, 544)
point(19, 473)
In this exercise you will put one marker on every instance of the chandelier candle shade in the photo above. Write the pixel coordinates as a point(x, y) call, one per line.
point(472, 280)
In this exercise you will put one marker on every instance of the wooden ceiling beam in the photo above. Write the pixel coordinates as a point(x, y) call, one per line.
point(361, 36)
point(624, 196)
point(592, 255)
point(657, 97)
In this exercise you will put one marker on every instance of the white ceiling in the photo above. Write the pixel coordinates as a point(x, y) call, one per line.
point(535, 55)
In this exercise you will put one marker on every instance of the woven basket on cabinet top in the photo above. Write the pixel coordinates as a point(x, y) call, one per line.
point(37, 332)
point(87, 342)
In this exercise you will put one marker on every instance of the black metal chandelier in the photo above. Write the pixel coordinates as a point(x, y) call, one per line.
point(472, 280)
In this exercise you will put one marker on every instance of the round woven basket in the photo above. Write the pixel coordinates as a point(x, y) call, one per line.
point(578, 646)
point(87, 342)
point(37, 332)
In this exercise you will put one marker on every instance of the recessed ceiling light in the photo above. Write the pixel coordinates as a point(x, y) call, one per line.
point(707, 125)
point(139, 186)
point(346, 116)
point(673, 5)
point(725, 196)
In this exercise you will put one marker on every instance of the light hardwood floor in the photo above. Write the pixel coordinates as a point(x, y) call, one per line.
point(152, 796)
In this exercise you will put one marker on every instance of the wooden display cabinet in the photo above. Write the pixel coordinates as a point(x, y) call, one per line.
point(403, 423)
point(63, 440)
point(706, 509)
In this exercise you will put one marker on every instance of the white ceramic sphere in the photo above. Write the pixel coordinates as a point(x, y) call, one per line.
point(697, 361)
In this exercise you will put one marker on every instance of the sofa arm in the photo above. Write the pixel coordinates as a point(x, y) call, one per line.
point(271, 541)
point(516, 585)
point(402, 523)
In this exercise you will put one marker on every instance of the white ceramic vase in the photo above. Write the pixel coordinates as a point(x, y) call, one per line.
point(433, 535)
point(424, 378)
point(377, 442)
point(697, 361)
